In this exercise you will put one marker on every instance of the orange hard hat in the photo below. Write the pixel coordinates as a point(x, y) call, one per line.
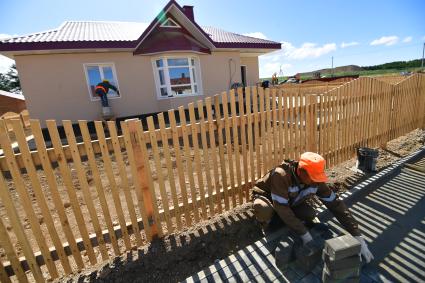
point(314, 165)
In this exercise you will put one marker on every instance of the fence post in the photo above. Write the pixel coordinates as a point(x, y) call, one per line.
point(142, 176)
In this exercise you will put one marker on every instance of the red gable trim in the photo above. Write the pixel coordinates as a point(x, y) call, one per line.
point(164, 11)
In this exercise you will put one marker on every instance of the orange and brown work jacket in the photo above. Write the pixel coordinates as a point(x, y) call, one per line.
point(283, 188)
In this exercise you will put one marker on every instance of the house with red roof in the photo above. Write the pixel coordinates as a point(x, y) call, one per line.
point(170, 62)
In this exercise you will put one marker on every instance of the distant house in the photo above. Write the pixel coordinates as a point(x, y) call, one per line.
point(11, 102)
point(170, 62)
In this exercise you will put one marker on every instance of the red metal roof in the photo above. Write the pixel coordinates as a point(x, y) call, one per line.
point(92, 34)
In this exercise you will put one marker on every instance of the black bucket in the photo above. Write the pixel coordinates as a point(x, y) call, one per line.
point(366, 159)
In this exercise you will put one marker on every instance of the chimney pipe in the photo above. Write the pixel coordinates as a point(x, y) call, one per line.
point(188, 11)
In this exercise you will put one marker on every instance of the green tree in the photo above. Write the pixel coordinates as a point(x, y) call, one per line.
point(10, 81)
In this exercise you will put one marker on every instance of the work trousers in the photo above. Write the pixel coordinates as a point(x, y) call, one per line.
point(264, 211)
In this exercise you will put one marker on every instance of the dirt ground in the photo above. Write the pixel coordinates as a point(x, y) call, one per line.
point(178, 256)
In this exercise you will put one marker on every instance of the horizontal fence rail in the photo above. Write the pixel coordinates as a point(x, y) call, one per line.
point(70, 201)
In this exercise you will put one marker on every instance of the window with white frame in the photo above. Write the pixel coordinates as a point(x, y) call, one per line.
point(96, 73)
point(176, 76)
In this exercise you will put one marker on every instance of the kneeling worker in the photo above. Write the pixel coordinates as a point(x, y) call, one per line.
point(284, 191)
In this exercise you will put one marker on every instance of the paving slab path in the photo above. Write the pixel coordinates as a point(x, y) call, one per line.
point(390, 209)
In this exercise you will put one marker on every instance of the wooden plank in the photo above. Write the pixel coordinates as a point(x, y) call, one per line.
point(264, 152)
point(280, 126)
point(100, 132)
point(304, 108)
point(189, 166)
point(67, 179)
point(148, 189)
point(274, 129)
point(137, 172)
point(292, 125)
point(334, 127)
point(195, 145)
point(213, 156)
point(6, 243)
point(82, 178)
point(205, 154)
point(297, 120)
point(223, 163)
point(158, 167)
point(269, 129)
point(251, 148)
point(38, 191)
point(167, 157)
point(256, 131)
point(180, 168)
point(124, 181)
point(229, 150)
point(26, 202)
point(97, 181)
point(235, 143)
point(51, 181)
point(243, 118)
point(286, 124)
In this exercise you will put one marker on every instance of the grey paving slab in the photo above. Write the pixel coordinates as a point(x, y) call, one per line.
point(394, 235)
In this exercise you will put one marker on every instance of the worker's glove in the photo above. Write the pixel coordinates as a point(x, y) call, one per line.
point(306, 238)
point(365, 252)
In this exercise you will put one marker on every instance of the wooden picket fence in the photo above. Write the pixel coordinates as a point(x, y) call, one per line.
point(72, 200)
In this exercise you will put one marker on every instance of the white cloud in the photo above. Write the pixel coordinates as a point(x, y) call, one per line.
point(385, 40)
point(407, 39)
point(256, 34)
point(423, 37)
point(348, 44)
point(272, 62)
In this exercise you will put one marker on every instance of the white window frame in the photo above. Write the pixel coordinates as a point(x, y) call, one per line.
point(171, 20)
point(196, 68)
point(104, 64)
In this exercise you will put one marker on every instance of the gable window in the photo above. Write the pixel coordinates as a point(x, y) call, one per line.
point(170, 23)
point(96, 73)
point(177, 76)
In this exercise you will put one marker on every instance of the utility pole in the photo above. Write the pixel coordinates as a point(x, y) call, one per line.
point(332, 69)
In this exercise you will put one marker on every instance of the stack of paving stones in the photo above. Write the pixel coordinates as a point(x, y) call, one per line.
point(341, 259)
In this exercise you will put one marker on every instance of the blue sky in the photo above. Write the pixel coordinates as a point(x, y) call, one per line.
point(353, 32)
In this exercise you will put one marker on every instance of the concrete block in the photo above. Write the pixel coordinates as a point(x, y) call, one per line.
point(284, 253)
point(309, 255)
point(342, 273)
point(348, 262)
point(342, 247)
point(326, 278)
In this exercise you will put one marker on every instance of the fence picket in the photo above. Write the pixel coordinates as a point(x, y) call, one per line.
point(263, 136)
point(243, 117)
point(274, 129)
point(180, 168)
point(124, 181)
point(82, 178)
point(26, 201)
point(250, 141)
point(256, 131)
point(235, 142)
point(229, 150)
point(158, 166)
point(38, 191)
point(220, 128)
point(189, 166)
point(211, 133)
point(206, 156)
point(67, 179)
point(170, 172)
point(7, 246)
point(18, 229)
point(100, 132)
point(280, 126)
point(195, 145)
point(269, 130)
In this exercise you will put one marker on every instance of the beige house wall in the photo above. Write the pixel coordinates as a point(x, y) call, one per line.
point(55, 85)
point(252, 70)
